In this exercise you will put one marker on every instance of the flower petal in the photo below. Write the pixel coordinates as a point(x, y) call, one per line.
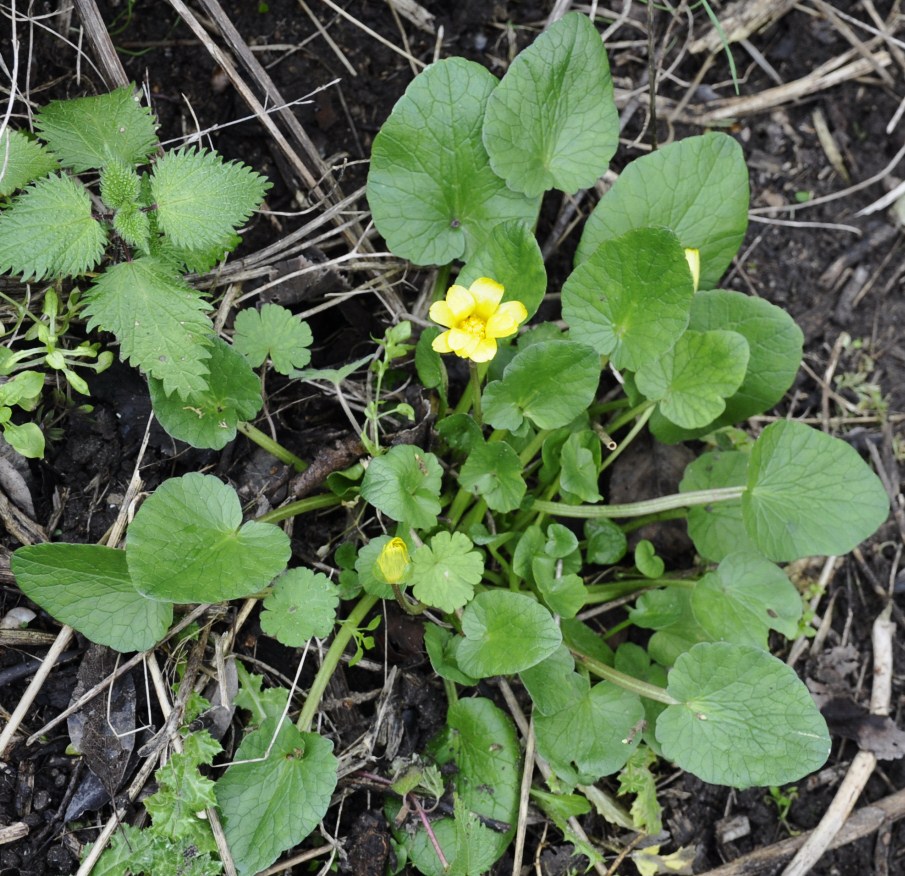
point(441, 343)
point(461, 302)
point(440, 312)
point(484, 351)
point(505, 321)
point(462, 343)
point(487, 295)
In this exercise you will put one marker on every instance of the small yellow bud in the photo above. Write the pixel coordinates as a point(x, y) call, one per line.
point(393, 561)
point(693, 257)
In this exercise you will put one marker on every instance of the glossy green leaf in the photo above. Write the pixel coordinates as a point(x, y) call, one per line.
point(580, 460)
point(697, 187)
point(744, 718)
point(505, 632)
point(272, 803)
point(302, 605)
point(809, 494)
point(631, 298)
point(276, 332)
point(89, 132)
point(22, 160)
point(88, 587)
point(404, 484)
point(553, 684)
point(774, 344)
point(209, 418)
point(647, 561)
point(188, 544)
point(481, 748)
point(431, 190)
point(550, 383)
point(493, 472)
point(745, 598)
point(594, 735)
point(669, 612)
point(49, 231)
point(717, 529)
point(692, 380)
point(26, 439)
point(606, 542)
point(445, 573)
point(510, 255)
point(552, 121)
point(442, 646)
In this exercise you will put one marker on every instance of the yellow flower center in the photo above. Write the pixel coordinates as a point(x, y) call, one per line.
point(474, 326)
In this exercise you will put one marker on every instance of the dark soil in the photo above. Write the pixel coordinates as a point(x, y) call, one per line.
point(834, 282)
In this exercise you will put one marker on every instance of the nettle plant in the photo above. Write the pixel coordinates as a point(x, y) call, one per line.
point(473, 525)
point(113, 224)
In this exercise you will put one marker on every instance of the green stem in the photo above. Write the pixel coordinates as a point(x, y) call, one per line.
point(675, 514)
point(628, 416)
point(475, 384)
point(302, 506)
point(271, 446)
point(331, 660)
point(637, 509)
point(625, 442)
point(626, 682)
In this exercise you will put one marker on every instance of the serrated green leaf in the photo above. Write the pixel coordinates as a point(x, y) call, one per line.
point(209, 418)
point(90, 132)
point(505, 633)
point(550, 383)
point(630, 300)
point(593, 736)
point(636, 778)
point(431, 190)
point(22, 160)
point(774, 344)
point(201, 200)
point(480, 741)
point(404, 484)
point(510, 255)
point(120, 185)
point(552, 121)
point(88, 587)
point(717, 529)
point(133, 226)
point(697, 187)
point(809, 494)
point(158, 319)
point(188, 544)
point(275, 332)
point(302, 605)
point(273, 803)
point(493, 471)
point(49, 231)
point(262, 704)
point(692, 380)
point(744, 718)
point(745, 598)
point(445, 574)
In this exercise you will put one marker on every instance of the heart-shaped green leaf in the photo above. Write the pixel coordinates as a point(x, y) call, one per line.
point(809, 494)
point(505, 632)
point(692, 380)
point(744, 718)
point(88, 587)
point(431, 190)
point(697, 187)
point(552, 121)
point(188, 544)
point(630, 300)
point(404, 483)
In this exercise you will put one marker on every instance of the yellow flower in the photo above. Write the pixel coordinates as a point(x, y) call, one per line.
point(393, 561)
point(475, 319)
point(693, 257)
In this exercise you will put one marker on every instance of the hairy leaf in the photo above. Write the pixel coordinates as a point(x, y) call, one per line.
point(49, 231)
point(22, 160)
point(158, 319)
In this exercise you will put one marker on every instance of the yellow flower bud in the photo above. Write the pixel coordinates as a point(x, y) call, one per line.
point(393, 561)
point(693, 257)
